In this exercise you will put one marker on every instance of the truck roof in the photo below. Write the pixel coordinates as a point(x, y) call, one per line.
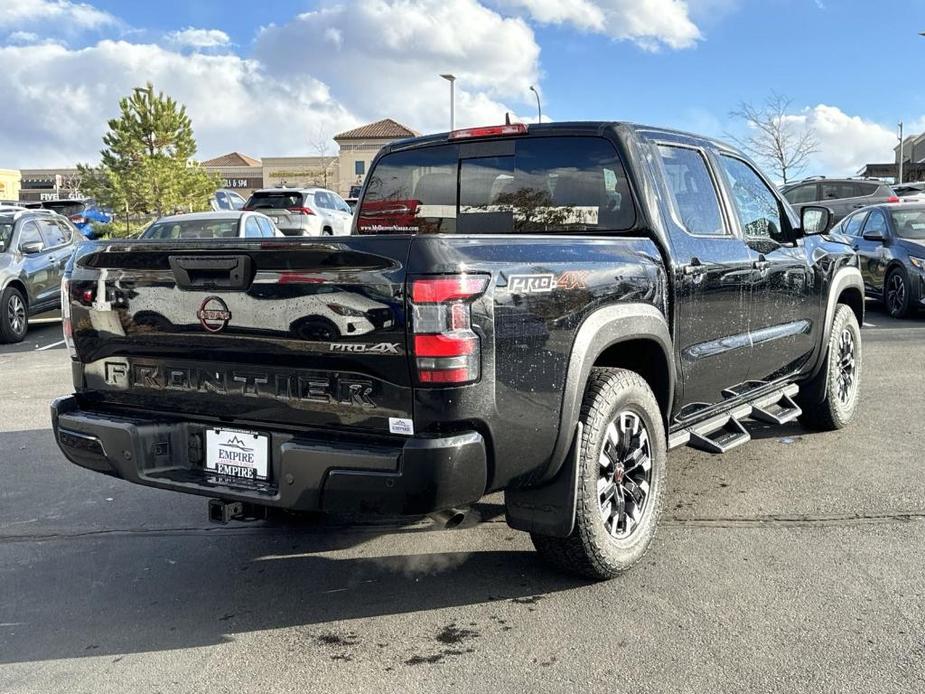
point(577, 128)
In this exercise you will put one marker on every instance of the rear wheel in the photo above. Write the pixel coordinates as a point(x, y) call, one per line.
point(14, 317)
point(896, 293)
point(621, 476)
point(839, 381)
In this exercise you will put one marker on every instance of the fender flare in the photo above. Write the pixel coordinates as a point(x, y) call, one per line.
point(549, 508)
point(844, 278)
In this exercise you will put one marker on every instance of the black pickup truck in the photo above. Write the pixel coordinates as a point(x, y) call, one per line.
point(544, 311)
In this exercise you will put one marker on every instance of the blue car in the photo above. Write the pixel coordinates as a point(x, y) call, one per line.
point(82, 212)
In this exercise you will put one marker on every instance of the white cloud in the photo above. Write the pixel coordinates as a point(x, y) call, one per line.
point(649, 23)
point(384, 57)
point(18, 13)
point(199, 38)
point(846, 142)
point(57, 101)
point(22, 37)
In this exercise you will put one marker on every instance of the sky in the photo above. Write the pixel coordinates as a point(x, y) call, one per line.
point(275, 78)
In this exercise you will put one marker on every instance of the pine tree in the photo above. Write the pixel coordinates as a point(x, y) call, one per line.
point(147, 165)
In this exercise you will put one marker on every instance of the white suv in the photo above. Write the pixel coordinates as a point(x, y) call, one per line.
point(303, 211)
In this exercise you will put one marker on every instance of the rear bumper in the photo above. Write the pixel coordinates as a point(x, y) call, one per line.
point(314, 472)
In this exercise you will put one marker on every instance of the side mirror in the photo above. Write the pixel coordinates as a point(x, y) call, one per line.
point(873, 235)
point(815, 220)
point(32, 247)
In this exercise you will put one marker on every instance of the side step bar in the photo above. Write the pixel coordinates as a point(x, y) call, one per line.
point(725, 431)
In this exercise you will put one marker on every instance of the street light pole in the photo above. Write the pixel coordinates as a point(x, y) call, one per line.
point(539, 109)
point(900, 152)
point(452, 80)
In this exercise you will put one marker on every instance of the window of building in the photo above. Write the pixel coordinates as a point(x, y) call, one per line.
point(359, 167)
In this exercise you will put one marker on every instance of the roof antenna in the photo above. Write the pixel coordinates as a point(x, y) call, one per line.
point(507, 118)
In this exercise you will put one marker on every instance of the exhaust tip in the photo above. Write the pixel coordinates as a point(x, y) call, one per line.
point(449, 519)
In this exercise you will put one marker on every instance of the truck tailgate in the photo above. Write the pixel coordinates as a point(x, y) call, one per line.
point(285, 331)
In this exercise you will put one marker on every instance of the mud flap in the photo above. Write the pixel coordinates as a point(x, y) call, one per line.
point(550, 509)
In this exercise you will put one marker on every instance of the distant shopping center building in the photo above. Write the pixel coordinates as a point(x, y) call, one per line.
point(913, 158)
point(340, 171)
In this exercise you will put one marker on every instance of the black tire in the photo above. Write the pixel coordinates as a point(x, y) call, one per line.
point(839, 382)
point(327, 231)
point(896, 293)
point(599, 546)
point(14, 316)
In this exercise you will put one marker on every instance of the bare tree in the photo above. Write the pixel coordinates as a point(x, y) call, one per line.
point(778, 140)
point(320, 142)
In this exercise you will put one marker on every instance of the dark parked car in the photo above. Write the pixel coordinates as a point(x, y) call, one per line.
point(561, 304)
point(35, 245)
point(82, 212)
point(841, 195)
point(890, 241)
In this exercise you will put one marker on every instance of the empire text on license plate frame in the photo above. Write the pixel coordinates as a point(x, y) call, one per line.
point(236, 454)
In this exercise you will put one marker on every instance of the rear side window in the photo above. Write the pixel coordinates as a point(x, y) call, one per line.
point(266, 226)
point(692, 190)
point(870, 189)
point(536, 185)
point(840, 190)
point(251, 229)
point(54, 235)
point(802, 194)
point(274, 201)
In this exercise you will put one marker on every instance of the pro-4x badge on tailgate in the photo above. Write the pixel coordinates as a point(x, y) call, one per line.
point(213, 314)
point(358, 348)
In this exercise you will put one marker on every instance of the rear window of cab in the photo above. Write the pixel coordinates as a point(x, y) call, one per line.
point(528, 185)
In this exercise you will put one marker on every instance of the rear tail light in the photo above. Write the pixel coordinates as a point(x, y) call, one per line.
point(66, 325)
point(301, 210)
point(489, 131)
point(446, 350)
point(892, 198)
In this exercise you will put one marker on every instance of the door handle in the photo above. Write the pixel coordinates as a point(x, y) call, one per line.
point(695, 267)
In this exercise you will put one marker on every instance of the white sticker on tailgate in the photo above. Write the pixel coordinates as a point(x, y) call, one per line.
point(236, 453)
point(401, 426)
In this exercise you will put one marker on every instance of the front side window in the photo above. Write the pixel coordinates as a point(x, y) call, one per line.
point(876, 223)
point(29, 233)
point(756, 205)
point(549, 184)
point(852, 225)
point(692, 190)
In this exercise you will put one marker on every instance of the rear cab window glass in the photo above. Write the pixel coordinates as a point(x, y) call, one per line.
point(544, 184)
point(692, 190)
point(274, 201)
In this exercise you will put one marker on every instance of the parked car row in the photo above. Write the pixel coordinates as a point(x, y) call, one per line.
point(304, 211)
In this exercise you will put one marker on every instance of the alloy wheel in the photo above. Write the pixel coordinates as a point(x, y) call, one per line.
point(846, 377)
point(624, 475)
point(16, 314)
point(896, 293)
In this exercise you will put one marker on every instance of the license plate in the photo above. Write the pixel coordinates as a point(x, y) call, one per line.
point(240, 454)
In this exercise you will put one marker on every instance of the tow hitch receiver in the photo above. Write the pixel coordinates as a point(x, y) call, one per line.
point(224, 511)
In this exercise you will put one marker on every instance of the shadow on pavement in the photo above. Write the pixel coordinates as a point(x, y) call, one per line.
point(130, 594)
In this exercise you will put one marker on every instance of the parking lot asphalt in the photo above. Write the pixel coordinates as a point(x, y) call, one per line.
point(793, 563)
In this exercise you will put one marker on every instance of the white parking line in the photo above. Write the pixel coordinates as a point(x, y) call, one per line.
point(53, 344)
